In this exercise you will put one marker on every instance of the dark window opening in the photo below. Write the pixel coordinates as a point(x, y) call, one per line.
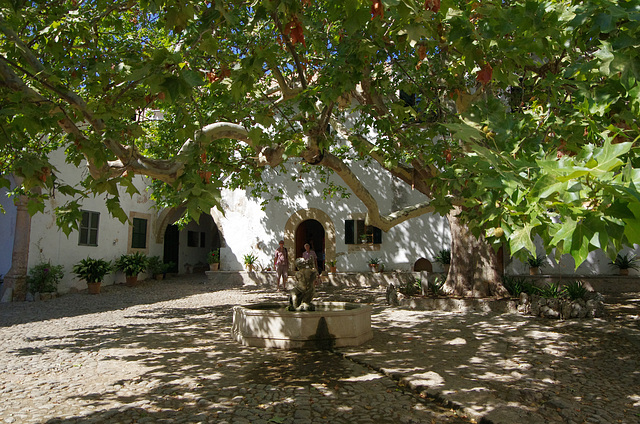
point(357, 232)
point(139, 234)
point(89, 228)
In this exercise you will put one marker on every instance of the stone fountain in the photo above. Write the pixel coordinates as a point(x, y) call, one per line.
point(302, 323)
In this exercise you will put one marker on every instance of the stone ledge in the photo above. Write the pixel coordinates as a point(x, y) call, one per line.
point(338, 279)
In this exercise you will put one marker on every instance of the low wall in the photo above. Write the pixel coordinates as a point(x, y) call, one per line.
point(605, 284)
point(338, 279)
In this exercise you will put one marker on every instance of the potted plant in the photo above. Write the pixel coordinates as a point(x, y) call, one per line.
point(364, 238)
point(92, 271)
point(332, 265)
point(535, 263)
point(44, 278)
point(250, 261)
point(625, 262)
point(374, 264)
point(132, 265)
point(213, 259)
point(157, 268)
point(444, 258)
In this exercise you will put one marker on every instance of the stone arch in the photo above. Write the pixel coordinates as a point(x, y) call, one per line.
point(165, 218)
point(298, 218)
point(423, 264)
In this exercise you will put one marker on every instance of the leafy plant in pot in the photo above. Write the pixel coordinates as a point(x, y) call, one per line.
point(250, 261)
point(132, 265)
point(93, 272)
point(157, 268)
point(374, 264)
point(332, 265)
point(213, 259)
point(535, 263)
point(625, 262)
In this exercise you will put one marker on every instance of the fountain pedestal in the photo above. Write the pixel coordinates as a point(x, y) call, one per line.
point(331, 324)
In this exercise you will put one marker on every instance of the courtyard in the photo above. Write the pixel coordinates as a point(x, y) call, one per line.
point(162, 352)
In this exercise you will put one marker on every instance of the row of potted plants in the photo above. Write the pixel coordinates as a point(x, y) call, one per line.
point(44, 277)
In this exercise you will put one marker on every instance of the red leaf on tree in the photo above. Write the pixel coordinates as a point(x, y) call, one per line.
point(422, 52)
point(432, 5)
point(295, 31)
point(377, 9)
point(484, 74)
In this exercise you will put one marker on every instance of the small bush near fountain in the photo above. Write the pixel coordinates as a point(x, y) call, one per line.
point(553, 301)
point(411, 287)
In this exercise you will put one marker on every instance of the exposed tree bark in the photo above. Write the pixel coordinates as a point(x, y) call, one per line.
point(475, 270)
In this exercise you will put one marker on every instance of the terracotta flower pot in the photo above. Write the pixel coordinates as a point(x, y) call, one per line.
point(624, 271)
point(132, 280)
point(533, 270)
point(94, 288)
point(214, 266)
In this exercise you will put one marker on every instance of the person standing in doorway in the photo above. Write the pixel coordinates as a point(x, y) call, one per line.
point(281, 264)
point(308, 253)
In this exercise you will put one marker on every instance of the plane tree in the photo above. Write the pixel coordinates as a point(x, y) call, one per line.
point(517, 118)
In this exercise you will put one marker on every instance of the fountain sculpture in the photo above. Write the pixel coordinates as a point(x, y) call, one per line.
point(303, 323)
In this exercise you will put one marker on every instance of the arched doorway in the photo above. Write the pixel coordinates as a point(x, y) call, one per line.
point(312, 232)
point(186, 247)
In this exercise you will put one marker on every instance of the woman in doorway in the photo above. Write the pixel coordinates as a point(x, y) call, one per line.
point(310, 254)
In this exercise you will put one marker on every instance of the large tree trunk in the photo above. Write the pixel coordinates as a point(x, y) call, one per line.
point(476, 269)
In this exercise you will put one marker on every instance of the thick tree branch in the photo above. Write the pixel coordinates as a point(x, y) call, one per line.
point(384, 222)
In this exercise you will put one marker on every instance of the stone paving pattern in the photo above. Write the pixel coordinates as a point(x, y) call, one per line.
point(162, 352)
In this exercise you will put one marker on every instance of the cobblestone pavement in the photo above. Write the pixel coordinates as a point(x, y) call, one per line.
point(162, 352)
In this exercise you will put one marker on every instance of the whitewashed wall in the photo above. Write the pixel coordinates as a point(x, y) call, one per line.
point(247, 228)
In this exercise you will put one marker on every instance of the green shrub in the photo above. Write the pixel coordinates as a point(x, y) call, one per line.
point(132, 264)
point(551, 290)
point(514, 285)
point(575, 290)
point(435, 286)
point(536, 262)
point(411, 288)
point(530, 288)
point(443, 257)
point(92, 270)
point(44, 278)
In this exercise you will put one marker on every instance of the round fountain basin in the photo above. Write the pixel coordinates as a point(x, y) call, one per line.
point(332, 324)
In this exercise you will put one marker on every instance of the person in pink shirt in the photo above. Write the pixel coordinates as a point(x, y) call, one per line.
point(281, 265)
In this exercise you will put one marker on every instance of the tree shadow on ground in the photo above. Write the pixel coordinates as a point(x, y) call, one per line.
point(181, 365)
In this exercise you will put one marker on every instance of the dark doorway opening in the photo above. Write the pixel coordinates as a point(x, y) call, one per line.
point(172, 247)
point(312, 232)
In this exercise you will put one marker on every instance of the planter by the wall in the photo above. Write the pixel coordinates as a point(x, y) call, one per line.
point(94, 288)
point(214, 266)
point(131, 280)
point(534, 270)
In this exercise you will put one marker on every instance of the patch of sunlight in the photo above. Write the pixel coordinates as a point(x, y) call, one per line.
point(477, 389)
point(343, 408)
point(429, 379)
point(476, 360)
point(456, 341)
point(636, 399)
point(366, 377)
point(513, 364)
point(543, 335)
point(496, 377)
